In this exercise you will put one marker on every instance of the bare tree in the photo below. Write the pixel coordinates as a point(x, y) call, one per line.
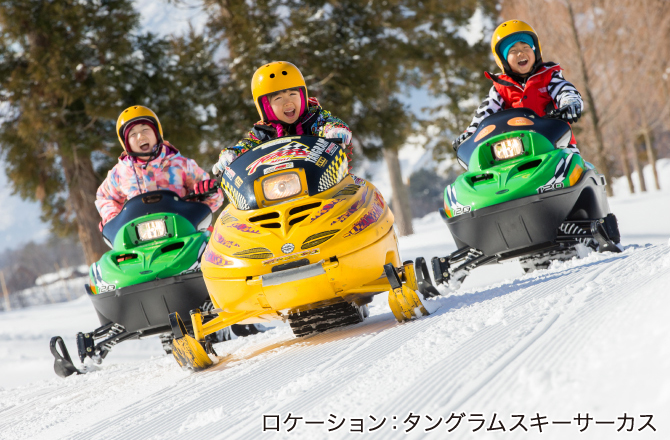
point(622, 141)
point(648, 26)
point(616, 53)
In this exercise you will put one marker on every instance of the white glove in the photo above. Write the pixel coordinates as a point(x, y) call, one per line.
point(338, 132)
point(570, 107)
point(225, 158)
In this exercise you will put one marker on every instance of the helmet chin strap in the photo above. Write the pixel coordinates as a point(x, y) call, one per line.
point(152, 154)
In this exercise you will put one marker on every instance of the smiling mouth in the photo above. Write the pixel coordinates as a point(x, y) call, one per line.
point(145, 146)
point(522, 63)
point(289, 113)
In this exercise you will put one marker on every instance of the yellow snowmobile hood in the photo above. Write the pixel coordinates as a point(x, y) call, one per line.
point(332, 224)
point(300, 235)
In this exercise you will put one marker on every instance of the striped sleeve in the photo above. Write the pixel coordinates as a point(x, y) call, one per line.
point(492, 104)
point(559, 88)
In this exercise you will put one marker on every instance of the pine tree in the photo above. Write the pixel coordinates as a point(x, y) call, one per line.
point(67, 70)
point(56, 61)
point(358, 56)
point(450, 65)
point(351, 54)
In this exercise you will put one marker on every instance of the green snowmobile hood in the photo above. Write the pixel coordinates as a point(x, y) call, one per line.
point(544, 165)
point(133, 260)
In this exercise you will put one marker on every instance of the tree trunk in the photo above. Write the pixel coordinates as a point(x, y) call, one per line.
point(401, 208)
point(82, 185)
point(638, 170)
point(626, 168)
point(651, 156)
point(601, 159)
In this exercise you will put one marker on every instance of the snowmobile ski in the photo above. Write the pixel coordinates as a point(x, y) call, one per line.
point(188, 352)
point(63, 365)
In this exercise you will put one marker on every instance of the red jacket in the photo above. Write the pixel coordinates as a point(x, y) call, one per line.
point(533, 95)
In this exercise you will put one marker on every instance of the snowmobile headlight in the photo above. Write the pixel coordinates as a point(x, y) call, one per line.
point(151, 230)
point(281, 186)
point(508, 148)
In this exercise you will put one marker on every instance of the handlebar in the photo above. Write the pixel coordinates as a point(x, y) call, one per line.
point(200, 197)
point(556, 113)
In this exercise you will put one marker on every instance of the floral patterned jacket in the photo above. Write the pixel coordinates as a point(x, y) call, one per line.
point(131, 177)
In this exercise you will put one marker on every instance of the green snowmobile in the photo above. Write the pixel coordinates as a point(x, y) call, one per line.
point(153, 270)
point(524, 195)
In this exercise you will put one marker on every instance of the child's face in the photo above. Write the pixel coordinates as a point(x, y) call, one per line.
point(141, 139)
point(521, 58)
point(286, 105)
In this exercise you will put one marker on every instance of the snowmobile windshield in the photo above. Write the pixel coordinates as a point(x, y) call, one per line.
point(315, 164)
point(514, 119)
point(155, 202)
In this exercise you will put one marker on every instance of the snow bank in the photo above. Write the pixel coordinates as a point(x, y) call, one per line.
point(55, 292)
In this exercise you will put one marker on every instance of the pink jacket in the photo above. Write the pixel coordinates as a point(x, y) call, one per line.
point(131, 177)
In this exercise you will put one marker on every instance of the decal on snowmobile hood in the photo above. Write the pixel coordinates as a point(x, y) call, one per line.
point(294, 150)
point(520, 121)
point(290, 257)
point(485, 132)
point(227, 243)
point(369, 218)
point(324, 162)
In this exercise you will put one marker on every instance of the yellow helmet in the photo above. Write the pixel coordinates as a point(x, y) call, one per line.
point(505, 30)
point(274, 77)
point(133, 114)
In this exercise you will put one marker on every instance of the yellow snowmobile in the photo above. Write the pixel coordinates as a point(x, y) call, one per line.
point(301, 240)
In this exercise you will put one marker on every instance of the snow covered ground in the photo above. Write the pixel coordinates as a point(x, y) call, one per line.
point(584, 339)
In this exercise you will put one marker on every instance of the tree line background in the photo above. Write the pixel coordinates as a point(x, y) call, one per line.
point(69, 67)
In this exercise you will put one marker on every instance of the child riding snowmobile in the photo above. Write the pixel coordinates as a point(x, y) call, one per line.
point(281, 98)
point(526, 81)
point(524, 195)
point(149, 163)
point(302, 239)
point(157, 239)
point(527, 192)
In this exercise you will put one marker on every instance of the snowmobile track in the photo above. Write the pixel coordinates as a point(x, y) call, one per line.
point(583, 300)
point(238, 393)
point(482, 351)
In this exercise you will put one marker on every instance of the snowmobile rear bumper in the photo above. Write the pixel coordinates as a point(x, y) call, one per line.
point(146, 306)
point(530, 221)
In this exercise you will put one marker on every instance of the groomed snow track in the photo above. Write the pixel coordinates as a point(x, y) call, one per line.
point(519, 347)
